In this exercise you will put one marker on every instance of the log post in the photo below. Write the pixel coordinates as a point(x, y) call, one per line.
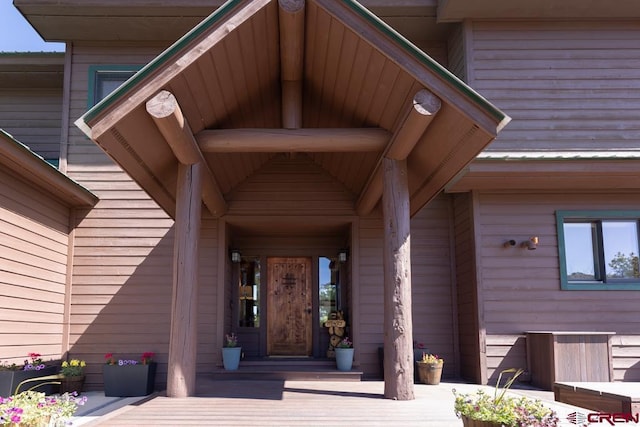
point(291, 18)
point(181, 375)
point(398, 332)
point(419, 116)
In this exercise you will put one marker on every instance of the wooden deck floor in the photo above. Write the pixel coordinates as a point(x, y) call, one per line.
point(298, 403)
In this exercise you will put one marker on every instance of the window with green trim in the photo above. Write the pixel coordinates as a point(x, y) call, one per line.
point(599, 250)
point(104, 79)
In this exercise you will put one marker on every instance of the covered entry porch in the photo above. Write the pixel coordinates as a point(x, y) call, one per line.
point(219, 118)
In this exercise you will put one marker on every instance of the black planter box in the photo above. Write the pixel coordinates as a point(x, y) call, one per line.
point(9, 380)
point(129, 380)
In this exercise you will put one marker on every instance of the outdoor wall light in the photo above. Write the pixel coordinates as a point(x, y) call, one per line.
point(342, 255)
point(530, 244)
point(236, 256)
point(509, 243)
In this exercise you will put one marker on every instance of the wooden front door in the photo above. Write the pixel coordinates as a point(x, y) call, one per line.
point(289, 312)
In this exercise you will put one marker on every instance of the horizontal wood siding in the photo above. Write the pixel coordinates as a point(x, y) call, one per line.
point(34, 240)
point(626, 357)
point(433, 322)
point(521, 288)
point(291, 186)
point(567, 86)
point(34, 118)
point(432, 282)
point(122, 273)
point(466, 282)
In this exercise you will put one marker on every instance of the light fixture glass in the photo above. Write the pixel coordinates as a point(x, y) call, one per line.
point(342, 255)
point(236, 256)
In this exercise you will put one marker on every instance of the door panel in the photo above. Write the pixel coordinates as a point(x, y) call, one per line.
point(289, 307)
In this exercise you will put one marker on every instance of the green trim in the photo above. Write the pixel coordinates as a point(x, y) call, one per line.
point(594, 215)
point(94, 70)
point(160, 60)
point(418, 54)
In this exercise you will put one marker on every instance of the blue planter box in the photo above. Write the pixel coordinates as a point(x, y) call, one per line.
point(129, 380)
point(9, 380)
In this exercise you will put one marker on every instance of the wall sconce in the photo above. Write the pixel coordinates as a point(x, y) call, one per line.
point(530, 244)
point(236, 256)
point(342, 255)
point(509, 243)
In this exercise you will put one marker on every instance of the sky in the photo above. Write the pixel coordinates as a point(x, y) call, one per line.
point(16, 35)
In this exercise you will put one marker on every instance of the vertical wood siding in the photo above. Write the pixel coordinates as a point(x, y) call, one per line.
point(466, 285)
point(521, 288)
point(122, 274)
point(34, 118)
point(566, 85)
point(433, 322)
point(34, 240)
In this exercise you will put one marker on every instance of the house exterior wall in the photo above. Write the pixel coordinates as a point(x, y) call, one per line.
point(34, 245)
point(566, 85)
point(521, 288)
point(433, 289)
point(121, 289)
point(33, 117)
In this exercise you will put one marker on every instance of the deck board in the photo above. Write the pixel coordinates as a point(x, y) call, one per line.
point(302, 403)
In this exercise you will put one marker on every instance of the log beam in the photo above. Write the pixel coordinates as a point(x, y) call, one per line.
point(291, 19)
point(422, 112)
point(312, 140)
point(167, 115)
point(398, 332)
point(183, 340)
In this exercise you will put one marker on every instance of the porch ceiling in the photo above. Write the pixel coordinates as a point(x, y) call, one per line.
point(234, 75)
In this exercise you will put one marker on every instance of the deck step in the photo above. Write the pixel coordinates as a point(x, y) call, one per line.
point(288, 369)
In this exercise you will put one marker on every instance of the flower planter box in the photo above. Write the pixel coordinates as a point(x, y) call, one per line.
point(9, 380)
point(129, 380)
point(429, 373)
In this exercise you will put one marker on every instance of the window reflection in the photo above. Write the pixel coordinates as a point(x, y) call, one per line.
point(579, 251)
point(620, 241)
point(328, 271)
point(249, 292)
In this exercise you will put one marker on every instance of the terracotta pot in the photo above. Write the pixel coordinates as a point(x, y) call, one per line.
point(468, 422)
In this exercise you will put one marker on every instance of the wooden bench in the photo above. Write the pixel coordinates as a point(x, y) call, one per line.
point(614, 398)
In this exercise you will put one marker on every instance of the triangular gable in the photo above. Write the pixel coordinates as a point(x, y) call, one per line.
point(228, 73)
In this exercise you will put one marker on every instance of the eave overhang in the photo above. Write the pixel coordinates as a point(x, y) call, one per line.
point(228, 75)
point(550, 172)
point(24, 163)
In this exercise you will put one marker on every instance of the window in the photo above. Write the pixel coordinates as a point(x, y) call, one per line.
point(249, 292)
point(104, 79)
point(328, 288)
point(599, 250)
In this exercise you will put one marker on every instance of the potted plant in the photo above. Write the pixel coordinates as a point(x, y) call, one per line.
point(481, 409)
point(33, 408)
point(344, 354)
point(129, 377)
point(430, 368)
point(72, 376)
point(12, 375)
point(231, 352)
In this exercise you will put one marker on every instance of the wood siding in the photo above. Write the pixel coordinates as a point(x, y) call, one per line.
point(466, 286)
point(567, 86)
point(34, 241)
point(34, 118)
point(122, 274)
point(521, 288)
point(433, 313)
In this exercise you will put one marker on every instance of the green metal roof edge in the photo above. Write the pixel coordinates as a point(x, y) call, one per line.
point(29, 152)
point(160, 59)
point(426, 60)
